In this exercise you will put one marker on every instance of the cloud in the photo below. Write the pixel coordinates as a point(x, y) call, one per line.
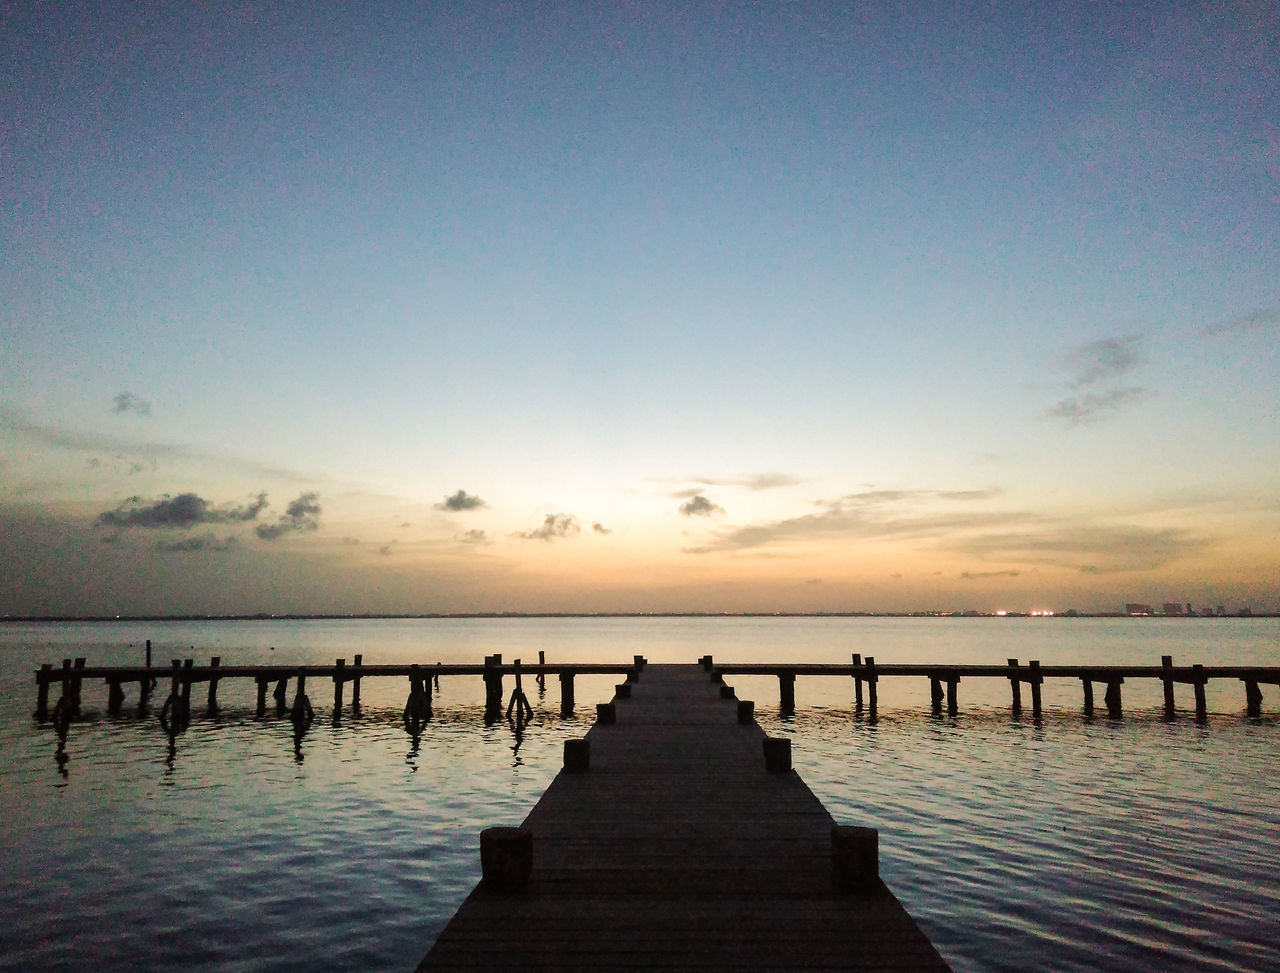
point(183, 511)
point(206, 542)
point(867, 515)
point(128, 402)
point(1090, 548)
point(699, 506)
point(754, 482)
point(1103, 360)
point(301, 514)
point(975, 575)
point(1095, 407)
point(386, 549)
point(461, 501)
point(600, 528)
point(474, 537)
point(1254, 322)
point(555, 525)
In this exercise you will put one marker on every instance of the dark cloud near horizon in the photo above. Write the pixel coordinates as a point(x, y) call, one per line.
point(301, 514)
point(205, 542)
point(461, 501)
point(128, 402)
point(183, 511)
point(600, 528)
point(699, 506)
point(976, 575)
point(1254, 322)
point(553, 526)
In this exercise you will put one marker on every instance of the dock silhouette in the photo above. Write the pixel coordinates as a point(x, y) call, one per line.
point(678, 837)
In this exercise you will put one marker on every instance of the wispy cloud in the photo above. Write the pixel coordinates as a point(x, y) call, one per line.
point(183, 511)
point(1095, 367)
point(461, 501)
point(976, 575)
point(553, 527)
point(128, 402)
point(1094, 407)
point(1254, 322)
point(754, 482)
point(301, 514)
point(600, 528)
point(1091, 548)
point(699, 506)
point(205, 542)
point(474, 537)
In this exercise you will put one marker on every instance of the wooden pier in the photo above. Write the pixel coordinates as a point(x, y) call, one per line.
point(678, 837)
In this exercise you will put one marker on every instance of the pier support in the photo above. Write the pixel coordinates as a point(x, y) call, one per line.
point(1166, 663)
point(42, 692)
point(339, 676)
point(1112, 697)
point(1086, 683)
point(506, 858)
point(746, 711)
point(606, 713)
point(777, 755)
point(566, 694)
point(871, 678)
point(302, 713)
point(262, 694)
point(935, 695)
point(1015, 687)
point(214, 663)
point(1252, 697)
point(855, 858)
point(857, 683)
point(1198, 678)
point(417, 710)
point(115, 697)
point(355, 683)
point(787, 692)
point(577, 756)
point(492, 688)
point(281, 695)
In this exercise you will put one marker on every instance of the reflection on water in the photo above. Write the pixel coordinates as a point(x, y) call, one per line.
point(249, 843)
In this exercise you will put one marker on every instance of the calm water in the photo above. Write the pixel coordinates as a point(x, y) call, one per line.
point(1071, 844)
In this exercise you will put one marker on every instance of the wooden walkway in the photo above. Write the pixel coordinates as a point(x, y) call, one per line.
point(678, 850)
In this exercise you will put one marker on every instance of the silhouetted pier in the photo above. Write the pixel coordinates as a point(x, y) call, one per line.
point(678, 837)
point(944, 681)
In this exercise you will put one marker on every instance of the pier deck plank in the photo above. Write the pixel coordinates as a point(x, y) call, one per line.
point(677, 850)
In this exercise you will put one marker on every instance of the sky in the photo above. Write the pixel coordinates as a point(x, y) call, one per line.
point(638, 307)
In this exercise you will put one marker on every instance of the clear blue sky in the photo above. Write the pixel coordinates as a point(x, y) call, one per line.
point(700, 306)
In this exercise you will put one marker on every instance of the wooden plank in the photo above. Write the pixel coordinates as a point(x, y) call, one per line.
point(677, 850)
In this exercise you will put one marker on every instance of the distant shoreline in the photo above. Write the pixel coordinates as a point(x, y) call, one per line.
point(264, 617)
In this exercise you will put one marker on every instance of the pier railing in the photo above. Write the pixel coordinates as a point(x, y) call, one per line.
point(944, 681)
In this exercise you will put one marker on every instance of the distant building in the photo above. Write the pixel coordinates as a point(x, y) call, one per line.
point(1136, 608)
point(1172, 608)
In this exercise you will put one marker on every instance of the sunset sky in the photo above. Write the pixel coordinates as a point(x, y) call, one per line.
point(638, 307)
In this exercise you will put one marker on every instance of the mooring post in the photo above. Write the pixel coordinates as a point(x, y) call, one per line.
point(281, 694)
point(1202, 711)
point(301, 711)
point(1015, 687)
point(623, 690)
point(953, 704)
point(42, 692)
point(417, 709)
point(935, 694)
point(214, 663)
point(186, 690)
point(638, 662)
point(1036, 681)
point(577, 756)
point(150, 681)
point(606, 713)
point(726, 692)
point(493, 686)
point(1112, 697)
point(855, 858)
point(787, 692)
point(1087, 683)
point(1252, 697)
point(566, 693)
point(76, 680)
point(262, 693)
point(1166, 663)
point(339, 666)
point(506, 859)
point(115, 696)
point(871, 687)
point(857, 683)
point(777, 755)
point(355, 682)
point(746, 711)
point(542, 676)
point(171, 711)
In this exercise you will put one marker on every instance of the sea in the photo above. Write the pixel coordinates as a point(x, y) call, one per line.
point(1068, 843)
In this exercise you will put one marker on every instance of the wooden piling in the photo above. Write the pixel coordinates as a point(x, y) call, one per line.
point(857, 683)
point(566, 694)
point(1202, 711)
point(1170, 711)
point(214, 663)
point(953, 703)
point(506, 859)
point(606, 713)
point(542, 676)
point(76, 682)
point(577, 756)
point(1015, 687)
point(1036, 681)
point(42, 692)
point(1087, 685)
point(777, 755)
point(355, 682)
point(787, 692)
point(746, 711)
point(187, 665)
point(262, 694)
point(935, 695)
point(115, 697)
point(301, 711)
point(726, 692)
point(340, 666)
point(871, 678)
point(1112, 697)
point(281, 694)
point(855, 858)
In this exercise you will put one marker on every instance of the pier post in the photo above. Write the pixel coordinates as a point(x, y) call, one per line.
point(871, 688)
point(1252, 697)
point(777, 755)
point(542, 676)
point(746, 711)
point(262, 694)
point(76, 680)
point(355, 682)
point(857, 683)
point(855, 858)
point(1112, 697)
point(417, 709)
point(566, 693)
point(301, 711)
point(339, 665)
point(935, 695)
point(953, 704)
point(186, 690)
point(606, 713)
point(42, 692)
point(726, 692)
point(1202, 711)
point(281, 694)
point(115, 697)
point(150, 682)
point(577, 756)
point(1036, 681)
point(1087, 684)
point(1015, 687)
point(623, 690)
point(787, 692)
point(171, 711)
point(1166, 663)
point(214, 663)
point(492, 687)
point(506, 859)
